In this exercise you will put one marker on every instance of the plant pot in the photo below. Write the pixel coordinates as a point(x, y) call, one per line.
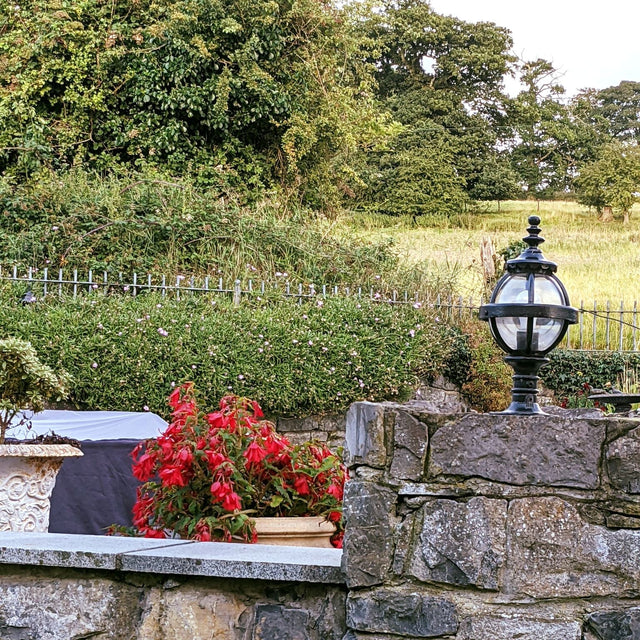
point(27, 477)
point(313, 531)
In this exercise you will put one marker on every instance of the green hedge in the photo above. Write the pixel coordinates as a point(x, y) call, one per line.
point(570, 370)
point(294, 359)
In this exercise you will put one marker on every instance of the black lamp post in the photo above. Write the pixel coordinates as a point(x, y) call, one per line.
point(528, 314)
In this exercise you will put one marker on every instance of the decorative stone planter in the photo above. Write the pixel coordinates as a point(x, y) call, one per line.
point(27, 477)
point(296, 532)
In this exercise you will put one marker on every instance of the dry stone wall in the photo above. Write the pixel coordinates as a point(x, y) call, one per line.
point(490, 527)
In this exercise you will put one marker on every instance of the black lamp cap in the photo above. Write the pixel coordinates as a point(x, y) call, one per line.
point(531, 259)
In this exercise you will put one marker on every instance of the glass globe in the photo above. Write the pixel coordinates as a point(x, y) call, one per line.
point(526, 334)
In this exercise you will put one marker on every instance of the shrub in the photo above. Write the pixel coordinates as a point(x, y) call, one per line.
point(298, 359)
point(152, 222)
point(25, 383)
point(569, 371)
point(488, 385)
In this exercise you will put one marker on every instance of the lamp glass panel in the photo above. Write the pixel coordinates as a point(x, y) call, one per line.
point(513, 330)
point(546, 331)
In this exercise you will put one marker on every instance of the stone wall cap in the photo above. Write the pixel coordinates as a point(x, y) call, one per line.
point(168, 556)
point(249, 561)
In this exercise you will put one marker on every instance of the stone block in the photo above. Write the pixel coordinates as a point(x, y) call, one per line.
point(41, 608)
point(275, 622)
point(368, 543)
point(403, 613)
point(538, 450)
point(365, 437)
point(615, 625)
point(461, 543)
point(508, 628)
point(623, 462)
point(409, 447)
point(553, 553)
point(190, 612)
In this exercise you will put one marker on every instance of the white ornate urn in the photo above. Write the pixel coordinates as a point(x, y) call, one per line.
point(27, 477)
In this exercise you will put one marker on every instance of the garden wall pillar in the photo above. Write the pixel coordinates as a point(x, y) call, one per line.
point(490, 527)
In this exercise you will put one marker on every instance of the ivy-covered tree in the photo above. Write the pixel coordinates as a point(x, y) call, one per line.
point(237, 92)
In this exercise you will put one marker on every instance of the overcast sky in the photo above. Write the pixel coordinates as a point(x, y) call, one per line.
point(594, 44)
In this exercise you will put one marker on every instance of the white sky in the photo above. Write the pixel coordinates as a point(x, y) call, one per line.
point(594, 44)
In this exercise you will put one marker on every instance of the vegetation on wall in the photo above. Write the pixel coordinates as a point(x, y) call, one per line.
point(126, 353)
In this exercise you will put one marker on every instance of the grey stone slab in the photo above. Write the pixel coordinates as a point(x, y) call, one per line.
point(461, 543)
point(553, 553)
point(369, 532)
point(623, 462)
point(520, 450)
point(615, 625)
point(253, 561)
point(399, 612)
point(70, 550)
point(410, 441)
point(508, 628)
point(365, 437)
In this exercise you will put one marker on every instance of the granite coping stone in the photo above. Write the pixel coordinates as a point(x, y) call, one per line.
point(176, 557)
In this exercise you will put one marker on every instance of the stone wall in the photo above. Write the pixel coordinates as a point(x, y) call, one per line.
point(439, 396)
point(489, 527)
point(139, 589)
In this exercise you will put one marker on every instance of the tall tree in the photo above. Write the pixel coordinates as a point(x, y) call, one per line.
point(441, 78)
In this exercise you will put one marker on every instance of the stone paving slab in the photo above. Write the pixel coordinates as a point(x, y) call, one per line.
point(183, 557)
point(251, 561)
point(72, 550)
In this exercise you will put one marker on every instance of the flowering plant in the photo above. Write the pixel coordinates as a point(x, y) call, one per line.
point(209, 473)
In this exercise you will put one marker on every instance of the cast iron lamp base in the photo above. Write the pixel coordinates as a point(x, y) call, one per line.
point(525, 385)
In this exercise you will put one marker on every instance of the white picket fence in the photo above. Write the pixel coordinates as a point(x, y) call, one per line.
point(601, 325)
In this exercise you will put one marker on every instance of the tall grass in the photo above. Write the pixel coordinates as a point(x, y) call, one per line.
point(596, 261)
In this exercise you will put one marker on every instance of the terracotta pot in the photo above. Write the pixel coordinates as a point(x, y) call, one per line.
point(27, 477)
point(295, 532)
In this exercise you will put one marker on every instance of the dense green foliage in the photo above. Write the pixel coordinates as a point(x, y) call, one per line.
point(612, 180)
point(295, 359)
point(441, 79)
point(243, 95)
point(389, 106)
point(25, 382)
point(570, 370)
point(152, 223)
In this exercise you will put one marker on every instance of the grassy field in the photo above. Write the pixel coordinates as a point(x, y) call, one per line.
point(596, 261)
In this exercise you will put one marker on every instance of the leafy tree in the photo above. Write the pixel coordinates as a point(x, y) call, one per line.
point(242, 94)
point(497, 181)
point(617, 111)
point(611, 181)
point(441, 79)
point(541, 155)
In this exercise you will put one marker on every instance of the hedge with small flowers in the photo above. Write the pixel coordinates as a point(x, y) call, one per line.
point(127, 353)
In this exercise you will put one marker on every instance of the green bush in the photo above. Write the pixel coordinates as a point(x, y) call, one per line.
point(243, 95)
point(568, 371)
point(151, 222)
point(294, 359)
point(488, 381)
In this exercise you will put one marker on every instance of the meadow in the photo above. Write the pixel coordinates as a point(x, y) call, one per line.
point(596, 261)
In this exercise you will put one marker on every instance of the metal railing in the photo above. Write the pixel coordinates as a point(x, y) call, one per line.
point(601, 326)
